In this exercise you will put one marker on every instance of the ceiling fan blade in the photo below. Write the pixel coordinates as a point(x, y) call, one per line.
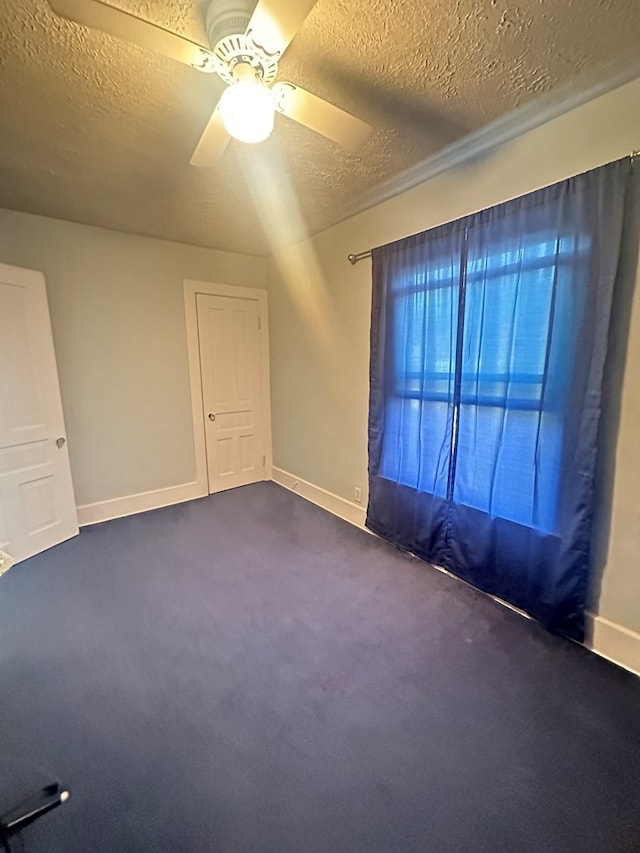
point(275, 22)
point(213, 142)
point(115, 22)
point(319, 115)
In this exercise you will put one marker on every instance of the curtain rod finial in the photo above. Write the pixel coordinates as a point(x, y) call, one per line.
point(353, 259)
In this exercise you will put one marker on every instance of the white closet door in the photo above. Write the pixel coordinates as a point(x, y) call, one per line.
point(230, 361)
point(37, 505)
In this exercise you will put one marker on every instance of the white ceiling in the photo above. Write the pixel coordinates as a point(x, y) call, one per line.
point(97, 131)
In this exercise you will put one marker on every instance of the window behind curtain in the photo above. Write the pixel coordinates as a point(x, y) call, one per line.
point(514, 291)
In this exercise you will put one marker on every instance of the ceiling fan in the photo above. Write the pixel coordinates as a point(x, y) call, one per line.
point(246, 46)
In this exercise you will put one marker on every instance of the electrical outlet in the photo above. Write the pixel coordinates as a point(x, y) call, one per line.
point(357, 494)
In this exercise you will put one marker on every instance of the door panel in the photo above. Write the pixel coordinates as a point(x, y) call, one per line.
point(37, 506)
point(229, 338)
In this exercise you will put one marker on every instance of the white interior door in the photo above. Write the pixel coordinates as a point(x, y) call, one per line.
point(37, 505)
point(231, 369)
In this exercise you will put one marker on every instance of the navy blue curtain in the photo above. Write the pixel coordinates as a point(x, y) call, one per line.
point(488, 341)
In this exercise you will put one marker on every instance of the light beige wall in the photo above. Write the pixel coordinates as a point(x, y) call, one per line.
point(117, 312)
point(320, 306)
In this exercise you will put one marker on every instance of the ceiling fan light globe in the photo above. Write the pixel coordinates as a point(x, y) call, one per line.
point(248, 111)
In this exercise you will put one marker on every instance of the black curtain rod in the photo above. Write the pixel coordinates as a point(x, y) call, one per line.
point(360, 256)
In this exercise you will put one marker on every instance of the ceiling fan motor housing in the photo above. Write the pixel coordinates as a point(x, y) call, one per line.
point(227, 18)
point(226, 24)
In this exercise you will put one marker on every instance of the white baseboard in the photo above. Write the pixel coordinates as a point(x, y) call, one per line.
point(347, 510)
point(132, 504)
point(613, 642)
point(605, 638)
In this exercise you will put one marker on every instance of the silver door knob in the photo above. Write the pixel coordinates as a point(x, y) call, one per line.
point(211, 416)
point(60, 442)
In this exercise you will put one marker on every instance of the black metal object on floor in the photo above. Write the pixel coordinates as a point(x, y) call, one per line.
point(24, 814)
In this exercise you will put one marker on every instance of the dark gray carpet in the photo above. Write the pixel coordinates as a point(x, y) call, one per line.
point(247, 673)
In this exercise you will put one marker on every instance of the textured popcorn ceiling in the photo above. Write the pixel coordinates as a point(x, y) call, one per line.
point(97, 131)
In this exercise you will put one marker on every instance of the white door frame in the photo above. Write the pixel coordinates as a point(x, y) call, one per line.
point(191, 290)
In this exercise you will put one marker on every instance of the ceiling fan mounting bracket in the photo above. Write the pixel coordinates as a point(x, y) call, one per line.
point(207, 63)
point(280, 93)
point(260, 50)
